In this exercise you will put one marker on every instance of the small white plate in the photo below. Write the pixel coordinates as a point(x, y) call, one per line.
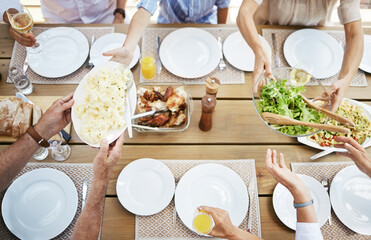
point(40, 204)
point(316, 49)
point(211, 185)
point(366, 109)
point(365, 64)
point(80, 94)
point(283, 202)
point(145, 186)
point(64, 51)
point(239, 54)
point(190, 52)
point(107, 43)
point(350, 195)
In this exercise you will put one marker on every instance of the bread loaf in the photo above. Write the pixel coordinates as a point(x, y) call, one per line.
point(36, 114)
point(8, 110)
point(22, 120)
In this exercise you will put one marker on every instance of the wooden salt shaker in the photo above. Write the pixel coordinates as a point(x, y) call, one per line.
point(212, 85)
point(208, 105)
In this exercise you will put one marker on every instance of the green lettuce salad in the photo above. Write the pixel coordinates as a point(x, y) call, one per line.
point(277, 98)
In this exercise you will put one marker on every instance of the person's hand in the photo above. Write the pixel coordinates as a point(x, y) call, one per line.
point(55, 118)
point(355, 152)
point(335, 94)
point(118, 18)
point(283, 175)
point(121, 55)
point(262, 63)
point(25, 39)
point(107, 158)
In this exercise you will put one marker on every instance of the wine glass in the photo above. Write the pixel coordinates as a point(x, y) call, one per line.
point(22, 22)
point(59, 151)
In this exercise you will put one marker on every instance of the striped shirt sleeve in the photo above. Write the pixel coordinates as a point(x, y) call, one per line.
point(222, 3)
point(149, 5)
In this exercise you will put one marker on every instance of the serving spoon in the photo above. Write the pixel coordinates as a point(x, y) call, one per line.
point(282, 120)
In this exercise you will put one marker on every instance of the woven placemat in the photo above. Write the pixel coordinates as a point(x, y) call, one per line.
point(328, 170)
point(359, 79)
point(19, 56)
point(77, 172)
point(161, 225)
point(230, 75)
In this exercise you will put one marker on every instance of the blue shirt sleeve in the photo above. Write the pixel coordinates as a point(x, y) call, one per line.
point(222, 3)
point(149, 5)
point(6, 4)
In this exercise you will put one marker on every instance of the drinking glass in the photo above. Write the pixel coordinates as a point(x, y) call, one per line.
point(20, 80)
point(148, 66)
point(59, 151)
point(22, 22)
point(203, 223)
point(41, 154)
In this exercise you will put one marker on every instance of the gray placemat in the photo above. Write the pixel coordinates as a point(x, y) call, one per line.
point(19, 56)
point(160, 226)
point(328, 170)
point(76, 171)
point(359, 79)
point(230, 75)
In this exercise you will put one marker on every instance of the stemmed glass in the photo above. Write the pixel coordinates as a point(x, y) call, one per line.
point(59, 151)
point(22, 22)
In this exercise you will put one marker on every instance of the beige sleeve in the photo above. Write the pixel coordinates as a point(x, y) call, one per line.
point(349, 11)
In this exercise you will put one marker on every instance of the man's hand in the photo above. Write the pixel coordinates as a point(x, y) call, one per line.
point(335, 94)
point(355, 152)
point(262, 63)
point(118, 18)
point(25, 39)
point(107, 158)
point(121, 55)
point(56, 117)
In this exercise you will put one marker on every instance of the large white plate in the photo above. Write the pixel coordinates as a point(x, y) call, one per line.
point(350, 195)
point(366, 109)
point(366, 59)
point(40, 204)
point(190, 53)
point(310, 47)
point(80, 94)
point(283, 202)
point(107, 43)
point(238, 52)
point(211, 185)
point(64, 51)
point(145, 186)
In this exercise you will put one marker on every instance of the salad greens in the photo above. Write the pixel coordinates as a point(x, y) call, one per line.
point(277, 98)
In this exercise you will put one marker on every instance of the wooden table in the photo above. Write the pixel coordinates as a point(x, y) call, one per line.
point(237, 133)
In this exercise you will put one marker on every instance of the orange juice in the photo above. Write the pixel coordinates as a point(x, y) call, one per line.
point(203, 223)
point(148, 66)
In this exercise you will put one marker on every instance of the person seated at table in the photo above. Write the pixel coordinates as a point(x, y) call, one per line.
point(307, 227)
point(63, 12)
point(355, 152)
point(309, 14)
point(15, 157)
point(171, 11)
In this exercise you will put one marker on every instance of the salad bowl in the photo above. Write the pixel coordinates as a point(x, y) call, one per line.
point(283, 94)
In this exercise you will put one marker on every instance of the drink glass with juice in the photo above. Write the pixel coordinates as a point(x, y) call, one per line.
point(203, 223)
point(148, 66)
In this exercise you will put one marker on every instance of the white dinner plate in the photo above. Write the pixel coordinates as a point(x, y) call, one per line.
point(107, 43)
point(190, 52)
point(366, 109)
point(239, 54)
point(80, 94)
point(145, 186)
point(283, 202)
point(64, 51)
point(40, 204)
point(315, 49)
point(211, 185)
point(365, 64)
point(350, 195)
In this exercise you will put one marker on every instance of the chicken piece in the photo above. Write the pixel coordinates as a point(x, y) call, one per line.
point(174, 102)
point(169, 91)
point(150, 96)
point(176, 119)
point(158, 120)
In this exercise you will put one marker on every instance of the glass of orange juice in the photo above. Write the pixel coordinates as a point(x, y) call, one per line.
point(148, 65)
point(203, 223)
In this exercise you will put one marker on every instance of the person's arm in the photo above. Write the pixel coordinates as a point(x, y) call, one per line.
point(223, 226)
point(355, 152)
point(16, 156)
point(118, 16)
point(246, 25)
point(137, 26)
point(88, 224)
point(352, 58)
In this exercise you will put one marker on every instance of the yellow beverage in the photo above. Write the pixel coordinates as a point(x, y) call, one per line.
point(148, 66)
point(203, 223)
point(22, 22)
point(299, 77)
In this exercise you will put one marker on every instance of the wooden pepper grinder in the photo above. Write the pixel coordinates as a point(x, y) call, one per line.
point(208, 105)
point(212, 85)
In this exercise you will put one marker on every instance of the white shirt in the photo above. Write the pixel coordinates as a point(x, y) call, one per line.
point(308, 231)
point(71, 11)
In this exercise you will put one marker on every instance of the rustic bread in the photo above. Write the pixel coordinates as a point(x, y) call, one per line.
point(22, 120)
point(36, 114)
point(8, 110)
